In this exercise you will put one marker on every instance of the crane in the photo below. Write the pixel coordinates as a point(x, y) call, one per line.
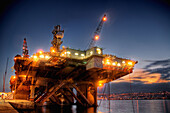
point(96, 34)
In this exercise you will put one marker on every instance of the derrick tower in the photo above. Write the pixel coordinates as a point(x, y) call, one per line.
point(24, 49)
point(58, 34)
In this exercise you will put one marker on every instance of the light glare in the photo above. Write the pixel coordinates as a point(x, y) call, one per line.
point(35, 56)
point(118, 64)
point(76, 54)
point(130, 63)
point(114, 63)
point(41, 56)
point(96, 37)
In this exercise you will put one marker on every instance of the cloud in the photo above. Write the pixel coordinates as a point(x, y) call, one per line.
point(143, 77)
point(161, 66)
point(154, 72)
point(158, 63)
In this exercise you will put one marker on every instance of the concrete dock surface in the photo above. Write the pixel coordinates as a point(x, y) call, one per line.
point(6, 107)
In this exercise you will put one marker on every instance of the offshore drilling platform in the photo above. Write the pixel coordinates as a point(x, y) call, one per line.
point(66, 76)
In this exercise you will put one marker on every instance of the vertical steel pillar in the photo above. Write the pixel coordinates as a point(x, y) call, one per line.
point(32, 88)
point(95, 94)
point(15, 91)
point(83, 89)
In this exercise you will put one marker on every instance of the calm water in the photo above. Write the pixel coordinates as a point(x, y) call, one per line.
point(116, 106)
point(140, 106)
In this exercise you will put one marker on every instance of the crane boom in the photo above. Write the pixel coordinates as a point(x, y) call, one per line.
point(96, 34)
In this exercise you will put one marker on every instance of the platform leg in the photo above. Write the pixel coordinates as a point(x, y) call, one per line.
point(95, 94)
point(32, 88)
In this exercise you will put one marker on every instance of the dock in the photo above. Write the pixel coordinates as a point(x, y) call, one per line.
point(5, 107)
point(8, 105)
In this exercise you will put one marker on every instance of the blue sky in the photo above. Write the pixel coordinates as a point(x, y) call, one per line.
point(137, 29)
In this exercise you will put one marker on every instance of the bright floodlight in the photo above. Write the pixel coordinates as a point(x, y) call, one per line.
point(96, 37)
point(76, 54)
point(104, 18)
point(41, 56)
point(47, 57)
point(100, 84)
point(123, 62)
point(98, 50)
point(35, 56)
point(118, 64)
point(40, 52)
point(130, 63)
point(68, 52)
point(82, 54)
point(53, 50)
point(114, 63)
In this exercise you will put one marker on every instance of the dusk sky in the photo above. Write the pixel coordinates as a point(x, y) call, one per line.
point(135, 29)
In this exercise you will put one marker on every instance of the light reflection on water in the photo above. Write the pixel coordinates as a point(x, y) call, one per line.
point(140, 106)
point(116, 106)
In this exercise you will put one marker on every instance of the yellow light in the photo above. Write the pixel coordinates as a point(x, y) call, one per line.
point(96, 37)
point(47, 57)
point(13, 77)
point(98, 51)
point(114, 63)
point(68, 52)
point(123, 62)
point(13, 91)
point(130, 63)
point(118, 64)
point(35, 56)
point(40, 52)
point(82, 55)
point(53, 50)
point(104, 18)
point(63, 47)
point(91, 52)
point(108, 63)
point(100, 85)
point(41, 56)
point(76, 54)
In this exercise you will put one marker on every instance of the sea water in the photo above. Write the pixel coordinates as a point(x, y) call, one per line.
point(116, 106)
point(135, 106)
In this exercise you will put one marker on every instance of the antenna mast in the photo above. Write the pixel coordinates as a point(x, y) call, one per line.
point(5, 75)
